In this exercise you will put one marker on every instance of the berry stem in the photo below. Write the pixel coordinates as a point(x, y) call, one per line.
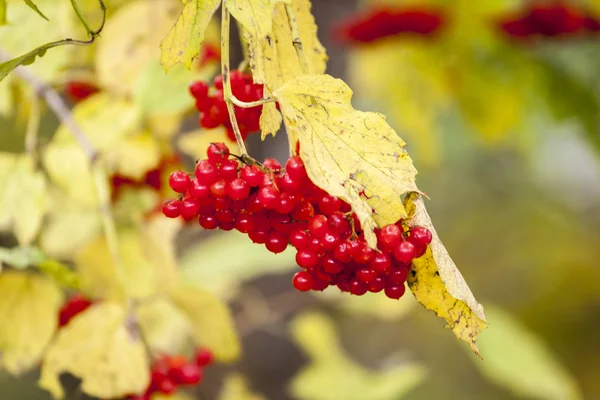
point(90, 31)
point(250, 104)
point(227, 93)
point(296, 38)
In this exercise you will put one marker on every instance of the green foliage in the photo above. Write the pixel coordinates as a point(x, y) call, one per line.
point(35, 8)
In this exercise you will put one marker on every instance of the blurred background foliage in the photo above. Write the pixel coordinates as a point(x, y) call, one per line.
point(505, 134)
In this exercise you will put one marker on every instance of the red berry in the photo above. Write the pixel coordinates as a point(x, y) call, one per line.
point(329, 241)
point(364, 254)
point(208, 222)
point(170, 208)
point(244, 223)
point(404, 252)
point(199, 89)
point(331, 265)
point(179, 181)
point(318, 226)
point(166, 386)
point(222, 203)
point(189, 207)
point(276, 242)
point(303, 281)
point(217, 152)
point(259, 235)
point(395, 291)
point(272, 164)
point(206, 120)
point(252, 174)
point(269, 197)
point(376, 285)
point(357, 287)
point(219, 188)
point(390, 235)
point(218, 82)
point(228, 169)
point(366, 275)
point(329, 204)
point(398, 276)
point(188, 374)
point(204, 357)
point(420, 237)
point(338, 224)
point(225, 216)
point(303, 212)
point(74, 306)
point(238, 189)
point(289, 184)
point(307, 259)
point(287, 202)
point(206, 172)
point(343, 252)
point(319, 285)
point(295, 167)
point(198, 190)
point(300, 239)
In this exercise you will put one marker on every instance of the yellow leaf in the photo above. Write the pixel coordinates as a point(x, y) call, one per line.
point(351, 154)
point(102, 348)
point(182, 44)
point(211, 320)
point(164, 126)
point(29, 307)
point(196, 142)
point(270, 120)
point(438, 285)
point(235, 387)
point(518, 360)
point(134, 156)
point(23, 201)
point(166, 328)
point(409, 86)
point(273, 58)
point(332, 375)
point(255, 15)
point(147, 262)
point(130, 40)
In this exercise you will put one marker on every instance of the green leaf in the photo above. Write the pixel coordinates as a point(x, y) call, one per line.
point(211, 320)
point(332, 375)
point(35, 8)
point(28, 58)
point(2, 12)
point(182, 44)
point(518, 360)
point(207, 265)
point(21, 257)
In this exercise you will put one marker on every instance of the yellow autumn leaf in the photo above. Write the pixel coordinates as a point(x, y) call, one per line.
point(134, 156)
point(29, 307)
point(196, 142)
point(102, 348)
point(270, 120)
point(350, 154)
point(332, 375)
point(166, 329)
point(23, 201)
point(255, 15)
point(409, 86)
point(235, 387)
point(212, 323)
point(182, 44)
point(147, 262)
point(518, 360)
point(439, 286)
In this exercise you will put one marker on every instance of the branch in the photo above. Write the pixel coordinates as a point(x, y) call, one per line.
point(93, 33)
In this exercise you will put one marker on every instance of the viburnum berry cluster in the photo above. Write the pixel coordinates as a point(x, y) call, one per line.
point(213, 109)
point(75, 305)
point(80, 90)
point(278, 206)
point(170, 372)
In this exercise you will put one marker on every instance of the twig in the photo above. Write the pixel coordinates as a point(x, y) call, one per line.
point(296, 38)
point(250, 104)
point(33, 126)
point(227, 93)
point(93, 33)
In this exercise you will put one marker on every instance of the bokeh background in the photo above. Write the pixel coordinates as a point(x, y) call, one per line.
point(503, 125)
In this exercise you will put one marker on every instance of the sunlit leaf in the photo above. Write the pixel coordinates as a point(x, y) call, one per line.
point(35, 8)
point(182, 44)
point(211, 320)
point(102, 348)
point(28, 310)
point(23, 201)
point(332, 375)
point(2, 12)
point(130, 41)
point(255, 15)
point(518, 360)
point(236, 388)
point(134, 155)
point(207, 265)
point(438, 285)
point(270, 120)
point(350, 154)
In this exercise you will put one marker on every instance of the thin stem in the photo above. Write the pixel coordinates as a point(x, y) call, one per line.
point(225, 25)
point(296, 38)
point(33, 125)
point(250, 104)
point(244, 64)
point(86, 25)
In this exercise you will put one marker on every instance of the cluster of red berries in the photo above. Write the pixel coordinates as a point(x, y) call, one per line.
point(152, 179)
point(383, 22)
point(79, 90)
point(277, 207)
point(75, 305)
point(168, 373)
point(549, 20)
point(213, 110)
